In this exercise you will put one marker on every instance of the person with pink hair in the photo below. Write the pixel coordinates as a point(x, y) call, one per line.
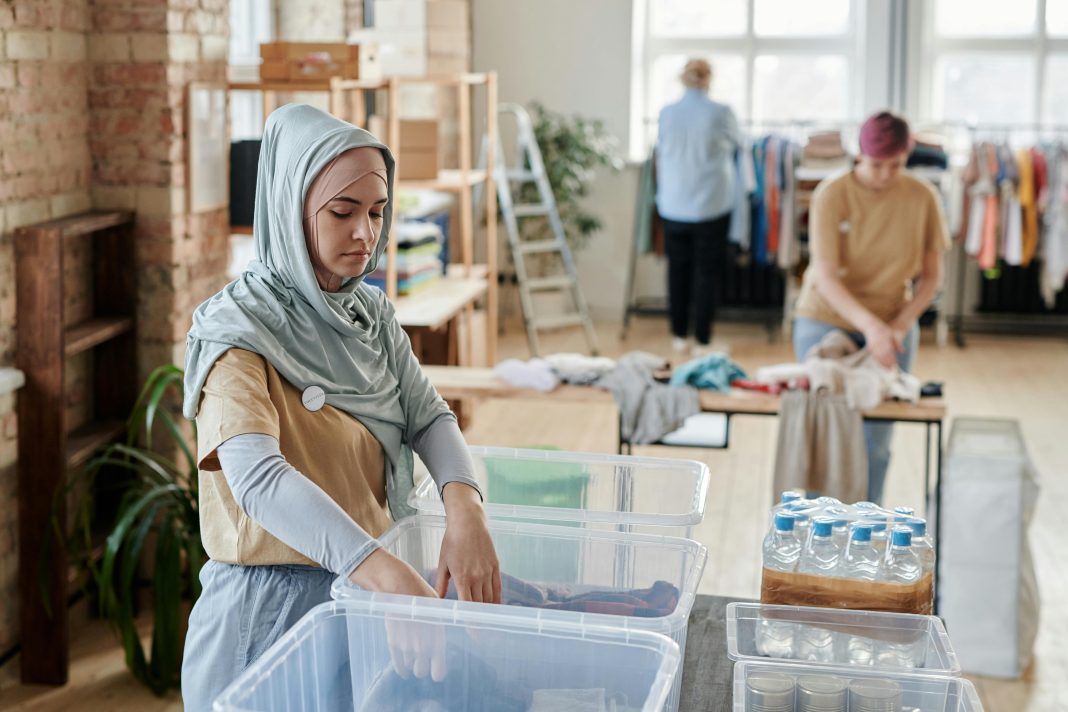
point(877, 237)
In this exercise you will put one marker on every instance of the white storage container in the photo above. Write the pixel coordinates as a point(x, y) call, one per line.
point(583, 487)
point(775, 682)
point(892, 642)
point(632, 582)
point(339, 657)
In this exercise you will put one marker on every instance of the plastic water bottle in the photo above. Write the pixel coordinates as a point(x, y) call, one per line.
point(781, 547)
point(866, 505)
point(775, 638)
point(921, 545)
point(904, 512)
point(840, 535)
point(820, 556)
point(901, 564)
point(828, 501)
point(791, 496)
point(879, 536)
point(802, 509)
point(861, 560)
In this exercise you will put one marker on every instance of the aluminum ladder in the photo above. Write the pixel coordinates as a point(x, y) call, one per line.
point(531, 169)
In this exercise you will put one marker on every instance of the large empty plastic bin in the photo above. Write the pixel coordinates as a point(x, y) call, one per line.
point(628, 581)
point(582, 487)
point(829, 637)
point(774, 686)
point(340, 657)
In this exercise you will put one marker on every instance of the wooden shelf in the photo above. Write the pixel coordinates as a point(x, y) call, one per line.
point(449, 180)
point(436, 304)
point(314, 85)
point(84, 336)
point(86, 440)
point(87, 223)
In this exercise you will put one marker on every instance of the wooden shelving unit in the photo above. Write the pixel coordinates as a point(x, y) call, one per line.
point(465, 282)
point(48, 446)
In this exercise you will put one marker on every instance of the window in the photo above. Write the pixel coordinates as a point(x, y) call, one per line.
point(250, 24)
point(772, 60)
point(992, 62)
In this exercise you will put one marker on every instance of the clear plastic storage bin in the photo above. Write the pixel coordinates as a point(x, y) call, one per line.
point(340, 656)
point(629, 581)
point(775, 687)
point(830, 637)
point(581, 487)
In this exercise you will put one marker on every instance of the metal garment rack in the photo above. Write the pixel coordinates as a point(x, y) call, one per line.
point(1006, 322)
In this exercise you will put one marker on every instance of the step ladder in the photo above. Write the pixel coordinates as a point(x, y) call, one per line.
point(531, 169)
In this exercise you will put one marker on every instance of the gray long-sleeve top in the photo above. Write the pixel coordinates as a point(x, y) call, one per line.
point(283, 501)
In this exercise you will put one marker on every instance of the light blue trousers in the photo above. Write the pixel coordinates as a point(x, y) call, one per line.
point(877, 436)
point(242, 611)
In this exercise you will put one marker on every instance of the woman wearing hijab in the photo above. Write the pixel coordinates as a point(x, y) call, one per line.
point(309, 402)
point(877, 237)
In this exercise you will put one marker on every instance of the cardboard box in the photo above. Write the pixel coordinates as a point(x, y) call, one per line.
point(313, 61)
point(418, 135)
point(448, 43)
point(447, 14)
point(418, 164)
point(400, 14)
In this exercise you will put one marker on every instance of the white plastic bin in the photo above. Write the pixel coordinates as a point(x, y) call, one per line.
point(893, 642)
point(565, 562)
point(919, 693)
point(551, 485)
point(339, 657)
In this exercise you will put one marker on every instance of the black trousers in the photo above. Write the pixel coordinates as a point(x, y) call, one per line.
point(697, 264)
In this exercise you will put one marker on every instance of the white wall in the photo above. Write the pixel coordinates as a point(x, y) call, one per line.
point(573, 56)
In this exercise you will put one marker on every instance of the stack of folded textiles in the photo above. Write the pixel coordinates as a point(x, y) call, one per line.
point(928, 150)
point(824, 150)
point(418, 258)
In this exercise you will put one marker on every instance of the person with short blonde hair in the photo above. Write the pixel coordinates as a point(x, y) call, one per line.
point(695, 173)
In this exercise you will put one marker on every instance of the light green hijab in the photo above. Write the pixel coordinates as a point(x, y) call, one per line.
point(346, 342)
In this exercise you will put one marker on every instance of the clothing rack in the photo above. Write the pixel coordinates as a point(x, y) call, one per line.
point(991, 321)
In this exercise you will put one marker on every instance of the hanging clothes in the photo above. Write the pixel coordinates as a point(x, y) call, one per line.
point(759, 236)
point(789, 248)
point(1011, 243)
point(988, 250)
point(744, 185)
point(771, 167)
point(1054, 249)
point(1025, 192)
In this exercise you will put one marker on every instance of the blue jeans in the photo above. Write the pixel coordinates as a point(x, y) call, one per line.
point(242, 610)
point(808, 333)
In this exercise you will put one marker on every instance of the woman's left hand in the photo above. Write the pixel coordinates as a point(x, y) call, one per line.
point(467, 554)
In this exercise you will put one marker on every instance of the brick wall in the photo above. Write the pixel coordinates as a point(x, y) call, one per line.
point(92, 115)
point(45, 170)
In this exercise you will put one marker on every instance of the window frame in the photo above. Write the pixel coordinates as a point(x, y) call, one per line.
point(648, 47)
point(927, 47)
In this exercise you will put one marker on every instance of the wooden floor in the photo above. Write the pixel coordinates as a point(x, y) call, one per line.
point(1023, 378)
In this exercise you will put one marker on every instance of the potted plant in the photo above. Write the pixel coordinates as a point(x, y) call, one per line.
point(156, 520)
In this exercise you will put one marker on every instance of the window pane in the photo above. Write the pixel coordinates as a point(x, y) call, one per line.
point(1055, 93)
point(985, 18)
point(794, 17)
point(728, 81)
point(996, 88)
point(698, 18)
point(1056, 17)
point(789, 87)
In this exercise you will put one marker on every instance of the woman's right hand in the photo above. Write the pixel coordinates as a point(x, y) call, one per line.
point(415, 647)
point(383, 572)
point(883, 343)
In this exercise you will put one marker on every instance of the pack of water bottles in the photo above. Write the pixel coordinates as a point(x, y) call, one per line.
point(821, 552)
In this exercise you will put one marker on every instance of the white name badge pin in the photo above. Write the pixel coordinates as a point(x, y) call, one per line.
point(313, 398)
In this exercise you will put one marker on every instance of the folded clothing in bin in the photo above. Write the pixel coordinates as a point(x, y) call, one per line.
point(656, 601)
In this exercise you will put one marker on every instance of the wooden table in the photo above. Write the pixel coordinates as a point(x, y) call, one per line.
point(476, 383)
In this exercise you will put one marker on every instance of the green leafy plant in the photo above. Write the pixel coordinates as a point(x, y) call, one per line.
point(572, 148)
point(157, 516)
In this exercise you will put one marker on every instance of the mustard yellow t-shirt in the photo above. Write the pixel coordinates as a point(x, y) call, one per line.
point(878, 239)
point(245, 394)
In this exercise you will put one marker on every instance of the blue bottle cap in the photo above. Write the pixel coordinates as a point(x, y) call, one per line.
point(902, 536)
point(861, 532)
point(918, 526)
point(790, 496)
point(784, 522)
point(822, 527)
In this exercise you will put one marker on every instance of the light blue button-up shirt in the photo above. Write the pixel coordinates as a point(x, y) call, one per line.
point(695, 159)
